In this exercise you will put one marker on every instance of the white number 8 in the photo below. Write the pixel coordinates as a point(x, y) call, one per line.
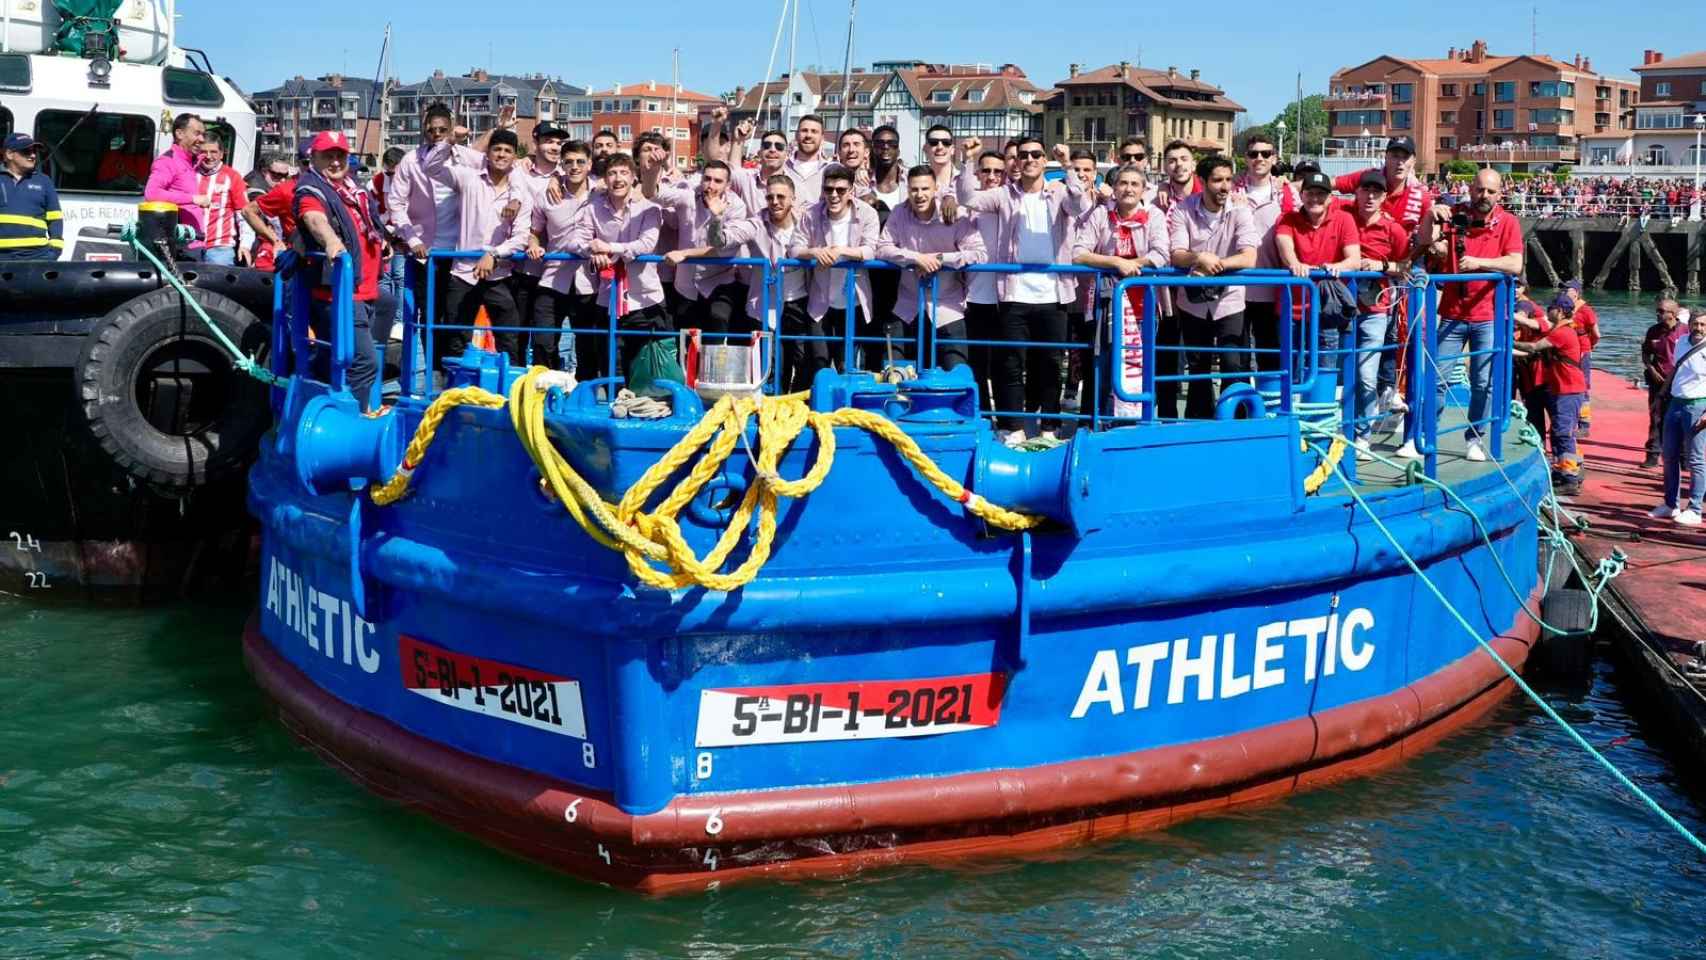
point(704, 769)
point(589, 756)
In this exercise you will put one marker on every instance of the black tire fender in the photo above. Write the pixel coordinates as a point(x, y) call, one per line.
point(160, 332)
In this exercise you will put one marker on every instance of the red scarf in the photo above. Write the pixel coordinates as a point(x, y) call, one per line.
point(1125, 233)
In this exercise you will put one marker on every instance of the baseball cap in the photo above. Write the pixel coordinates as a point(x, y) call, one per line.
point(1306, 167)
point(1317, 180)
point(330, 140)
point(546, 131)
point(21, 142)
point(1561, 302)
point(504, 138)
point(1372, 178)
point(1575, 285)
point(1402, 143)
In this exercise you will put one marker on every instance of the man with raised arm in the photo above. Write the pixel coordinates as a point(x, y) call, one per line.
point(983, 290)
point(1210, 236)
point(711, 222)
point(750, 185)
point(425, 212)
point(918, 238)
point(839, 227)
point(1490, 243)
point(939, 155)
point(1124, 239)
point(614, 227)
point(495, 217)
point(1034, 219)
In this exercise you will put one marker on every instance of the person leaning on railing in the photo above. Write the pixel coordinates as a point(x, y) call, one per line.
point(1320, 237)
point(613, 228)
point(1384, 246)
point(838, 227)
point(335, 216)
point(1124, 238)
point(496, 217)
point(1477, 237)
point(1210, 236)
point(918, 238)
point(1685, 427)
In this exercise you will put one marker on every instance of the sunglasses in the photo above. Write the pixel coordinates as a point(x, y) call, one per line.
point(1134, 157)
point(775, 144)
point(278, 174)
point(940, 142)
point(886, 144)
point(836, 191)
point(1030, 154)
point(1261, 154)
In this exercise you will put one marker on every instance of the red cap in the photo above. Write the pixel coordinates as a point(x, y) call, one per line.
point(330, 140)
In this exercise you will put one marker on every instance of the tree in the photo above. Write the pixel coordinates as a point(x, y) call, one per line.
point(1314, 126)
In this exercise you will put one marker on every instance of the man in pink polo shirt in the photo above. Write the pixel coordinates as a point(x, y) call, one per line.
point(566, 298)
point(425, 213)
point(809, 159)
point(710, 222)
point(917, 237)
point(496, 215)
point(1270, 198)
point(1210, 235)
point(750, 185)
point(614, 227)
point(173, 178)
point(838, 227)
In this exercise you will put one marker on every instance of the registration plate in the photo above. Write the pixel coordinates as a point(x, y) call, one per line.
point(851, 710)
point(501, 690)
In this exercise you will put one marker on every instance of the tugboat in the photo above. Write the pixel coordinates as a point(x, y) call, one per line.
point(129, 427)
point(796, 636)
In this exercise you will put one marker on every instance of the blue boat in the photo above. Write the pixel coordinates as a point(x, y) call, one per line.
point(505, 606)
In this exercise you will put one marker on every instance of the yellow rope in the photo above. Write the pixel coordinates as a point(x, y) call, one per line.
point(398, 485)
point(1325, 469)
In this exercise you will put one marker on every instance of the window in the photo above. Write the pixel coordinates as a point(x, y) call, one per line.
point(1078, 100)
point(681, 133)
point(1222, 133)
point(832, 99)
point(1504, 119)
point(1550, 89)
point(1403, 92)
point(625, 132)
point(1448, 116)
point(1448, 89)
point(1448, 143)
point(15, 72)
point(1480, 119)
point(1401, 119)
point(652, 106)
point(1552, 116)
point(1060, 128)
point(974, 96)
point(1662, 88)
point(581, 110)
point(97, 152)
point(1504, 92)
point(1358, 118)
point(1478, 90)
point(657, 130)
point(862, 98)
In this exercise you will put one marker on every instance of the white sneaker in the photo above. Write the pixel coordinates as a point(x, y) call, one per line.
point(1662, 512)
point(1474, 453)
point(1364, 452)
point(1408, 451)
point(1688, 518)
point(1013, 438)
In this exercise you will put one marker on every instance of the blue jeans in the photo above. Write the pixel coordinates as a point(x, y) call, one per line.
point(1565, 411)
point(393, 282)
point(219, 256)
point(1371, 336)
point(1681, 440)
point(1457, 337)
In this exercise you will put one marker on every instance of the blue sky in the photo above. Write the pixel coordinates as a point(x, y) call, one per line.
point(1254, 51)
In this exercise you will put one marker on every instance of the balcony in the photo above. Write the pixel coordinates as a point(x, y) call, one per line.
point(1515, 153)
point(1354, 101)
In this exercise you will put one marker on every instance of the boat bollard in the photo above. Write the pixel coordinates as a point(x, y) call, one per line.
point(337, 445)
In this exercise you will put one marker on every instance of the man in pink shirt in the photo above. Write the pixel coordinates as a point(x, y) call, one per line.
point(613, 228)
point(425, 213)
point(1211, 236)
point(1035, 220)
point(1269, 198)
point(917, 237)
point(711, 222)
point(172, 179)
point(750, 185)
point(838, 227)
point(495, 218)
point(804, 353)
point(566, 296)
point(537, 174)
point(807, 164)
point(1124, 239)
point(226, 196)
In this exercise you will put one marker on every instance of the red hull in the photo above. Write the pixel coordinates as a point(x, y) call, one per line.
point(823, 831)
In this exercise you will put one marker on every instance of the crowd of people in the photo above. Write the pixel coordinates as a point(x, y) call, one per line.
point(1603, 196)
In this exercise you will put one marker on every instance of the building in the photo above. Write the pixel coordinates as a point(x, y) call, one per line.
point(993, 103)
point(291, 113)
point(1525, 112)
point(1095, 109)
point(632, 109)
point(477, 99)
point(1669, 112)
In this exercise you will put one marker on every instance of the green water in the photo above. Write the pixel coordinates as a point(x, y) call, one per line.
point(151, 806)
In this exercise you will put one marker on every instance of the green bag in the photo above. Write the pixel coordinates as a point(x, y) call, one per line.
point(79, 19)
point(658, 360)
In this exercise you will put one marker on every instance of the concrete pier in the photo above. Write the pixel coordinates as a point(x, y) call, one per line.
point(1615, 252)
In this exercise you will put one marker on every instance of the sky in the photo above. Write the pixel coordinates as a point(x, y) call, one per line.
point(1253, 51)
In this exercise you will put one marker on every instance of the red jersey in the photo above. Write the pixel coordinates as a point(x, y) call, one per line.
point(1530, 374)
point(1407, 206)
point(1318, 245)
point(1588, 321)
point(1563, 365)
point(372, 249)
point(1499, 236)
point(1384, 239)
point(276, 204)
point(225, 196)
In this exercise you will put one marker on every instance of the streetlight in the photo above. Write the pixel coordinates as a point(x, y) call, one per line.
point(1699, 127)
point(1280, 147)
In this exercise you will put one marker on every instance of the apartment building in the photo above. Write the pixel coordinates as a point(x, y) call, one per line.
point(1670, 113)
point(629, 110)
point(1095, 109)
point(476, 99)
point(290, 114)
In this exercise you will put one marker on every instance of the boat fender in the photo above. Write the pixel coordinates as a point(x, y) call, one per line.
point(1239, 401)
point(163, 398)
point(1568, 654)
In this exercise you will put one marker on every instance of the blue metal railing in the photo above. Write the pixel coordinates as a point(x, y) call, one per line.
point(1303, 368)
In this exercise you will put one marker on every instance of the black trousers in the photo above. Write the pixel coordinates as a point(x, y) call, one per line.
point(363, 369)
point(440, 277)
point(1169, 332)
point(1028, 378)
point(724, 311)
point(463, 301)
point(1222, 339)
point(1263, 319)
point(983, 322)
point(835, 325)
point(801, 359)
point(525, 288)
point(1658, 404)
point(950, 355)
point(552, 311)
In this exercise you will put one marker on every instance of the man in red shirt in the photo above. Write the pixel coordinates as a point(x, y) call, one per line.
point(1588, 323)
point(1560, 350)
point(1408, 199)
point(338, 217)
point(1319, 237)
point(272, 218)
point(1385, 248)
point(1489, 240)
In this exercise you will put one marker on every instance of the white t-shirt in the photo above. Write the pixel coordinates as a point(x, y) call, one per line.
point(1689, 382)
point(840, 235)
point(893, 198)
point(447, 216)
point(1036, 245)
point(794, 280)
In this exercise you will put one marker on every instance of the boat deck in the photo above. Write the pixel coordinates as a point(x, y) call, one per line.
point(1374, 476)
point(1660, 599)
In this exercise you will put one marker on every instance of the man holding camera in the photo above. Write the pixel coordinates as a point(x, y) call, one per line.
point(1477, 237)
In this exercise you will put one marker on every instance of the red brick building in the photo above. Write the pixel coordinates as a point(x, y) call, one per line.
point(638, 108)
point(1515, 112)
